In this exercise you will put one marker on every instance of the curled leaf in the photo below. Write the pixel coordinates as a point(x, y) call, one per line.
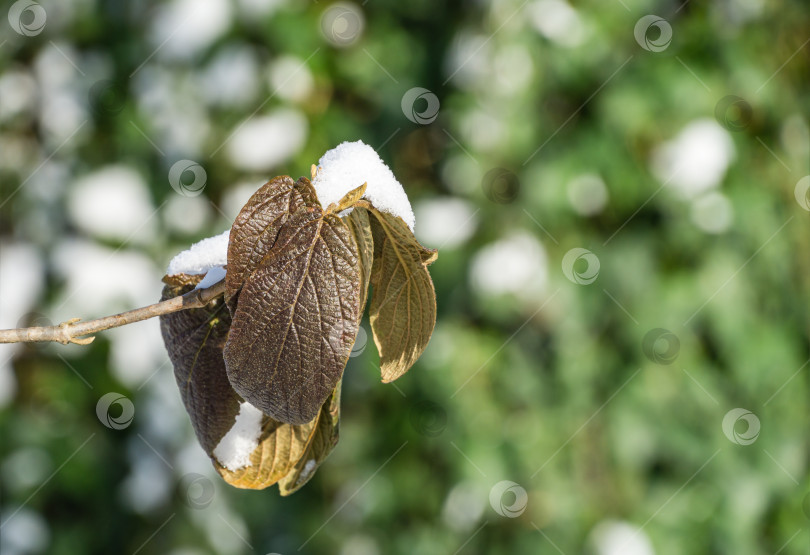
point(194, 340)
point(297, 314)
point(403, 302)
point(360, 228)
point(281, 446)
point(324, 439)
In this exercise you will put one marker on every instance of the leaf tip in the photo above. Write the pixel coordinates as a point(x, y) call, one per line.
point(429, 256)
point(349, 199)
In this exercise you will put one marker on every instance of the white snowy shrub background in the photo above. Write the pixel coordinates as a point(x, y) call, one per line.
point(98, 236)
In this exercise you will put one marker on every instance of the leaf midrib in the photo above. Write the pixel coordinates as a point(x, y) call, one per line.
point(310, 250)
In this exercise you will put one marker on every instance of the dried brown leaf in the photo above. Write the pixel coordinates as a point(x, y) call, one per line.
point(194, 340)
point(256, 228)
point(297, 315)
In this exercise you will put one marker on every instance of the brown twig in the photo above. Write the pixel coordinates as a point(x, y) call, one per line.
point(72, 331)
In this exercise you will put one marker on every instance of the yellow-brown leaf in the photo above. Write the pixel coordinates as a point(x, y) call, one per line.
point(324, 439)
point(403, 301)
point(360, 228)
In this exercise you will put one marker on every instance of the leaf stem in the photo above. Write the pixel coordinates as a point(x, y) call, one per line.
point(72, 331)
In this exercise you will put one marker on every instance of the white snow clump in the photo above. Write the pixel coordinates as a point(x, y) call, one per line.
point(349, 165)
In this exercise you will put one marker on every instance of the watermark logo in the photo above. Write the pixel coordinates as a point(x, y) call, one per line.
point(197, 490)
point(508, 499)
point(653, 33)
point(27, 18)
point(360, 342)
point(342, 24)
point(733, 113)
point(428, 418)
point(105, 413)
point(746, 437)
point(106, 97)
point(428, 109)
point(33, 320)
point(580, 266)
point(661, 346)
point(500, 186)
point(802, 192)
point(187, 178)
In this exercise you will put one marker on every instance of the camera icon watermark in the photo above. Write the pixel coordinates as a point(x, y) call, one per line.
point(104, 411)
point(653, 33)
point(508, 499)
point(746, 437)
point(429, 104)
point(580, 266)
point(179, 175)
point(27, 18)
point(342, 24)
point(661, 346)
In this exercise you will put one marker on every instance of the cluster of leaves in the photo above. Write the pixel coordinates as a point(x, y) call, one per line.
point(297, 279)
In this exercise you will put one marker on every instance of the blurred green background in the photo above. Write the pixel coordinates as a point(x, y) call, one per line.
point(600, 383)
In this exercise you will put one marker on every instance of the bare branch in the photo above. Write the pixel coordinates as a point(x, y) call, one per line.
point(73, 330)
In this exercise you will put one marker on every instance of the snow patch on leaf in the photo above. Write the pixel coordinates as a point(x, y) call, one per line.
point(202, 256)
point(308, 469)
point(349, 165)
point(214, 275)
point(234, 449)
